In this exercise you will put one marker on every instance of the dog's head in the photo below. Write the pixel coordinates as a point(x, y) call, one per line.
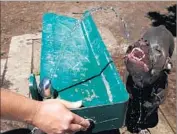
point(145, 60)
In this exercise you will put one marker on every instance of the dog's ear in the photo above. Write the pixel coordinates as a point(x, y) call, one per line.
point(168, 65)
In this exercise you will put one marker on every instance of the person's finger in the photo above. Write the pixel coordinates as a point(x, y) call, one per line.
point(81, 121)
point(71, 105)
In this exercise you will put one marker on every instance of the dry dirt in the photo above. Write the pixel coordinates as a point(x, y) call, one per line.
point(18, 18)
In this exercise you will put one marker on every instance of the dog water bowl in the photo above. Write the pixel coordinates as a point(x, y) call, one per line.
point(75, 59)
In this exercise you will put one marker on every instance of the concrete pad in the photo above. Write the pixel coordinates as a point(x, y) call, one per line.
point(169, 106)
point(162, 127)
point(3, 63)
point(36, 56)
point(19, 63)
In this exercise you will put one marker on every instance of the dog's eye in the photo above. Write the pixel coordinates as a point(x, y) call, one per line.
point(129, 49)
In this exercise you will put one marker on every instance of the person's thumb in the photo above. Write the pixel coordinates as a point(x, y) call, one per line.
point(71, 105)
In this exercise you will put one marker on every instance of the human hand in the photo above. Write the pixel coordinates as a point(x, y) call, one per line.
point(54, 117)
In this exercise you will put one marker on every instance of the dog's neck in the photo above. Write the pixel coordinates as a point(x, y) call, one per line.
point(136, 91)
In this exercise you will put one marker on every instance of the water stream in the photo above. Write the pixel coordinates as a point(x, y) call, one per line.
point(92, 11)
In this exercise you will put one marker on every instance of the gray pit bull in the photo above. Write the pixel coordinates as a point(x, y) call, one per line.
point(148, 63)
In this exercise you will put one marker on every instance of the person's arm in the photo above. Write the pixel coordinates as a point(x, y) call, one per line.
point(42, 114)
point(17, 107)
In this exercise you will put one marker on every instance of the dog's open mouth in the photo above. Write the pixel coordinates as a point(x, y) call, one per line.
point(137, 56)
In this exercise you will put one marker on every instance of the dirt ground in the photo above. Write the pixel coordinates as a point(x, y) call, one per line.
point(19, 18)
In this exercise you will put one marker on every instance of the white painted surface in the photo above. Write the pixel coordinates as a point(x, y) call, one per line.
point(19, 63)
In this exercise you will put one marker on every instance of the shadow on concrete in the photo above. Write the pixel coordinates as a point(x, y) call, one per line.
point(168, 20)
point(3, 82)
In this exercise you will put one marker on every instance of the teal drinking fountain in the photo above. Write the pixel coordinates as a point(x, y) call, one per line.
point(78, 66)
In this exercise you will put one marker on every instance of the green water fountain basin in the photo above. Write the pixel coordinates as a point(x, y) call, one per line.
point(80, 68)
